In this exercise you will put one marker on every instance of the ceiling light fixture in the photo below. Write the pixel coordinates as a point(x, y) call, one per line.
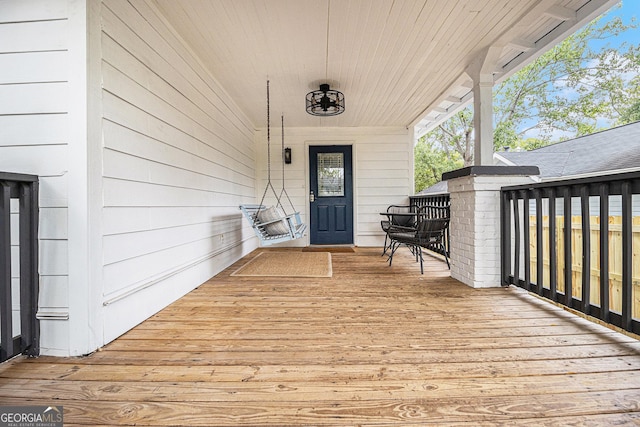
point(325, 102)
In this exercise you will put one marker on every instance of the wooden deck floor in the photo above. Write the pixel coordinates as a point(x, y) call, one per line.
point(372, 345)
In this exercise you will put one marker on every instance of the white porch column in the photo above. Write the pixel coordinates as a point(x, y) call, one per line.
point(483, 120)
point(481, 71)
point(475, 220)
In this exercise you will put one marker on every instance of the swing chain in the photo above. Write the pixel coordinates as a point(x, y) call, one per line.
point(284, 191)
point(269, 184)
point(268, 153)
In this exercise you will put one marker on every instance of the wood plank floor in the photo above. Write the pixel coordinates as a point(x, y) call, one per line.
point(373, 345)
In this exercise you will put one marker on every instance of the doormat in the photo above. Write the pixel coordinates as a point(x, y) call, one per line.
point(332, 249)
point(287, 264)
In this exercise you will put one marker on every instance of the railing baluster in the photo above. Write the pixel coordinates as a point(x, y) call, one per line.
point(568, 279)
point(539, 243)
point(586, 249)
point(627, 256)
point(505, 238)
point(6, 336)
point(604, 253)
point(526, 228)
point(435, 200)
point(516, 230)
point(553, 253)
point(29, 285)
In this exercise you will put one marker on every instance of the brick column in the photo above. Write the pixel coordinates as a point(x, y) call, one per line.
point(475, 220)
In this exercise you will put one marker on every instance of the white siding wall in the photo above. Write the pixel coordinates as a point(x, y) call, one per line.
point(178, 159)
point(142, 162)
point(34, 139)
point(382, 171)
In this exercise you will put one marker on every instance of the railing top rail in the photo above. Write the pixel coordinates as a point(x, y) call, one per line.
point(18, 177)
point(425, 196)
point(598, 179)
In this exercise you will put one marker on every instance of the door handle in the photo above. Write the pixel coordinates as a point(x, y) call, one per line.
point(312, 197)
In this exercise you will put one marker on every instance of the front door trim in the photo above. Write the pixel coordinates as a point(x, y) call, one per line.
point(307, 145)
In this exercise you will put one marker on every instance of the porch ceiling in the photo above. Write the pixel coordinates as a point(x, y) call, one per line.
point(398, 62)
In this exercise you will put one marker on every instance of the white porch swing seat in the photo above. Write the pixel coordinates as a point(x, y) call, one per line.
point(272, 224)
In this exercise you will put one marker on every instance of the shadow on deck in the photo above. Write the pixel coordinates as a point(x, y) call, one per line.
point(373, 345)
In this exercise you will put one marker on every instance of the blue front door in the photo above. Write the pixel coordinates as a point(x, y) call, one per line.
point(331, 196)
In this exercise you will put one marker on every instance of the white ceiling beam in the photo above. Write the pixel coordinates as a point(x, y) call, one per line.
point(587, 13)
point(561, 13)
point(521, 44)
point(462, 81)
point(426, 125)
point(528, 19)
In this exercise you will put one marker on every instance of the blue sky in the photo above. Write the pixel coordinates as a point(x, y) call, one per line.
point(630, 9)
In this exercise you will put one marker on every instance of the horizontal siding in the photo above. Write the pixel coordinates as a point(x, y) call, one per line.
point(121, 247)
point(119, 192)
point(382, 172)
point(202, 164)
point(152, 265)
point(177, 161)
point(371, 176)
point(169, 77)
point(34, 98)
point(120, 220)
point(150, 104)
point(54, 193)
point(32, 10)
point(36, 159)
point(54, 290)
point(384, 178)
point(50, 220)
point(132, 130)
point(33, 129)
point(29, 67)
point(54, 258)
point(131, 168)
point(34, 36)
point(34, 137)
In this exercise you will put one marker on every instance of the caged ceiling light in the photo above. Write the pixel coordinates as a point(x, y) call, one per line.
point(325, 102)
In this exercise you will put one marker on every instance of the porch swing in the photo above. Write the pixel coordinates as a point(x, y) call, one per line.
point(272, 224)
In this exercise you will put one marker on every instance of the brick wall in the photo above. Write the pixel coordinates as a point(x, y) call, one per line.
point(475, 228)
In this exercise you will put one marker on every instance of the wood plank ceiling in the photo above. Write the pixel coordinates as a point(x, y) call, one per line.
point(396, 61)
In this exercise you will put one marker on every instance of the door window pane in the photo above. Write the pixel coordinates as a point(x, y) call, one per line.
point(330, 174)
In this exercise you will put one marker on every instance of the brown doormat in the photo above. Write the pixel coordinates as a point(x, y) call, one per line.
point(287, 264)
point(332, 249)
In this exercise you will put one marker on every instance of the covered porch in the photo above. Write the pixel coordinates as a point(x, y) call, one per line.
point(372, 345)
point(143, 122)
